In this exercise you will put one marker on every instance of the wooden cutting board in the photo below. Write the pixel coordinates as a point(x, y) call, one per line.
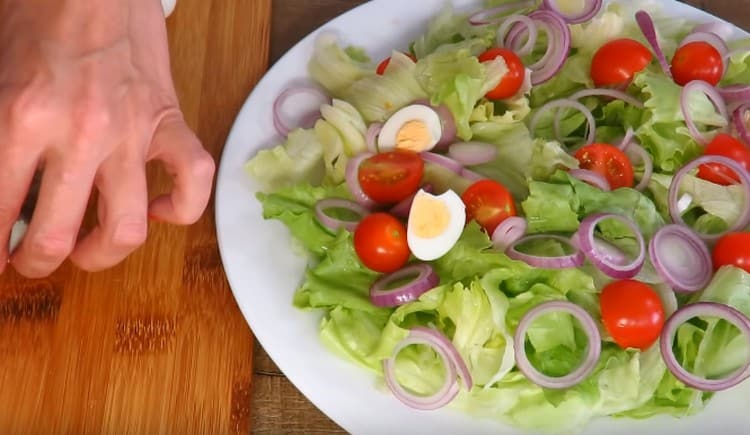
point(157, 344)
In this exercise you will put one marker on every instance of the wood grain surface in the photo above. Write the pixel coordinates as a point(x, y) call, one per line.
point(278, 407)
point(157, 344)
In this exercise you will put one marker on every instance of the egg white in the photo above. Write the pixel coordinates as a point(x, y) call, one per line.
point(387, 139)
point(431, 248)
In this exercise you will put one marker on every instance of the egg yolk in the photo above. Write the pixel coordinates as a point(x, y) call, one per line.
point(429, 217)
point(413, 136)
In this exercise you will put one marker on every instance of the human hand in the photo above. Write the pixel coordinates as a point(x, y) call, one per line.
point(86, 96)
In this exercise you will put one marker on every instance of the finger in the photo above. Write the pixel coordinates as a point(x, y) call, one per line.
point(57, 218)
point(192, 168)
point(17, 174)
point(122, 210)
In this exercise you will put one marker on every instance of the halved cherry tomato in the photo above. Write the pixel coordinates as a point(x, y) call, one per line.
point(632, 313)
point(617, 61)
point(391, 176)
point(697, 60)
point(512, 80)
point(384, 64)
point(380, 242)
point(489, 203)
point(608, 161)
point(727, 146)
point(733, 249)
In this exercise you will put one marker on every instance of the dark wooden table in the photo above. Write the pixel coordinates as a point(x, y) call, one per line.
point(277, 406)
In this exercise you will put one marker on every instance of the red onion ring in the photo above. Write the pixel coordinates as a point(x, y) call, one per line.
point(592, 354)
point(713, 96)
point(454, 364)
point(351, 175)
point(575, 259)
point(512, 22)
point(712, 39)
point(472, 153)
point(705, 309)
point(589, 11)
point(402, 208)
point(471, 175)
point(508, 232)
point(606, 92)
point(586, 241)
point(674, 192)
point(680, 258)
point(557, 48)
point(426, 279)
point(334, 224)
point(441, 160)
point(482, 17)
point(591, 177)
point(447, 122)
point(282, 127)
point(633, 149)
point(649, 31)
point(627, 139)
point(567, 104)
point(719, 28)
point(371, 136)
point(738, 119)
point(735, 93)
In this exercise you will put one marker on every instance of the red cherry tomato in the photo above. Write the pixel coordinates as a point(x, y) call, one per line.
point(391, 176)
point(697, 60)
point(489, 203)
point(380, 242)
point(632, 313)
point(608, 161)
point(512, 80)
point(733, 249)
point(727, 146)
point(617, 61)
point(384, 64)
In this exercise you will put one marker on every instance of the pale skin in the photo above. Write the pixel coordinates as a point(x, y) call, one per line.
point(86, 96)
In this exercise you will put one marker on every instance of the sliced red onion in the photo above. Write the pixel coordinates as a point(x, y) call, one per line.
point(712, 39)
point(607, 92)
point(441, 160)
point(680, 258)
point(472, 153)
point(592, 354)
point(635, 150)
point(594, 178)
point(610, 252)
point(562, 262)
point(735, 93)
point(352, 180)
point(713, 96)
point(471, 175)
point(558, 45)
point(674, 192)
point(424, 279)
point(627, 139)
point(703, 309)
point(454, 365)
point(517, 23)
point(738, 119)
point(566, 104)
point(281, 125)
point(447, 122)
point(586, 240)
point(497, 14)
point(588, 11)
point(649, 31)
point(719, 28)
point(402, 208)
point(510, 230)
point(372, 135)
point(334, 224)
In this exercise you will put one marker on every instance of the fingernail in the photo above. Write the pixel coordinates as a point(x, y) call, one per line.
point(153, 218)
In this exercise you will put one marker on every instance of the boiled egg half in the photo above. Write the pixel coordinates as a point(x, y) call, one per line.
point(416, 128)
point(435, 224)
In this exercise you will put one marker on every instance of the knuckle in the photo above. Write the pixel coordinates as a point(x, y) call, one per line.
point(203, 166)
point(25, 110)
point(130, 232)
point(51, 247)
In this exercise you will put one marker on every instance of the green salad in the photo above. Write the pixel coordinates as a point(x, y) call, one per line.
point(535, 212)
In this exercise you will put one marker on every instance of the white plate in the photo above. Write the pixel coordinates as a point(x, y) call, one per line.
point(264, 274)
